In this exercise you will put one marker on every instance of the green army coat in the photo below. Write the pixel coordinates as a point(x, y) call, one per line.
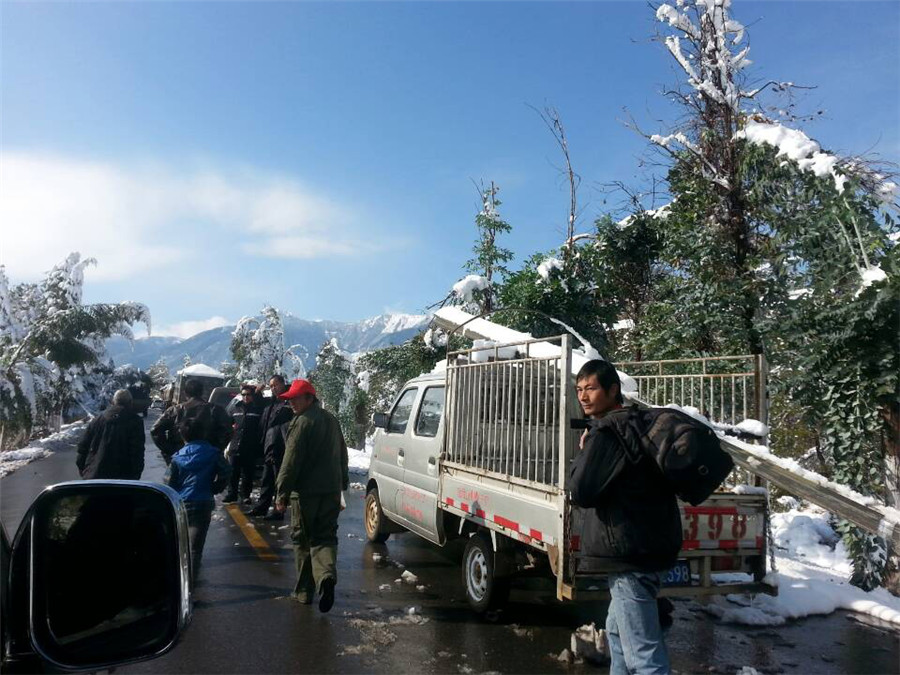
point(315, 456)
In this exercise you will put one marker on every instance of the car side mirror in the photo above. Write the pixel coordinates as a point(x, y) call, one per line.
point(380, 420)
point(101, 574)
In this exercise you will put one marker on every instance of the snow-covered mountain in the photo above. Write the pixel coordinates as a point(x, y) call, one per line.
point(213, 346)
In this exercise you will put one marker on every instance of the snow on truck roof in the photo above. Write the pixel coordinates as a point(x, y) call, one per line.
point(201, 370)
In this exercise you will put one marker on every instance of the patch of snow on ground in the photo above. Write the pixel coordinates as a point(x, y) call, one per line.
point(358, 460)
point(812, 578)
point(589, 643)
point(68, 435)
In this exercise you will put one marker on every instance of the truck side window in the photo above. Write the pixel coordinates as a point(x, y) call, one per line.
point(401, 412)
point(429, 417)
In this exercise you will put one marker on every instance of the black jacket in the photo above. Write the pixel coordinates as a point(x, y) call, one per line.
point(273, 429)
point(112, 446)
point(630, 519)
point(246, 441)
point(165, 430)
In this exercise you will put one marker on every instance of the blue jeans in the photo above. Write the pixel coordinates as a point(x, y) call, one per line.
point(636, 643)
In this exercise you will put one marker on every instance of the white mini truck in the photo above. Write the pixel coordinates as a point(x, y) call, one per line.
point(482, 451)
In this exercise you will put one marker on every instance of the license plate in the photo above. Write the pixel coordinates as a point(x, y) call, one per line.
point(680, 575)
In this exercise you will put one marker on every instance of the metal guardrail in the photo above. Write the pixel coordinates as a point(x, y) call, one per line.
point(725, 389)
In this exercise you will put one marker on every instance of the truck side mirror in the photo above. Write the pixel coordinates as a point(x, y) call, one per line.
point(101, 574)
point(380, 420)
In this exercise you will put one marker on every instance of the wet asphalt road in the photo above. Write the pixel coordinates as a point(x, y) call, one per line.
point(244, 623)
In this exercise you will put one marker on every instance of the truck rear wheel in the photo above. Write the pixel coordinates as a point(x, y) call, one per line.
point(484, 590)
point(375, 531)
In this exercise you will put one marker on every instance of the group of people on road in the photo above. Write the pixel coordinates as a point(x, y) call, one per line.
point(304, 471)
point(634, 524)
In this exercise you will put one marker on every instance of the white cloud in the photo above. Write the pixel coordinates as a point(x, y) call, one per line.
point(186, 329)
point(132, 219)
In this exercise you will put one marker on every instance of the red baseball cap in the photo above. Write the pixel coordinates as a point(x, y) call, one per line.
point(298, 388)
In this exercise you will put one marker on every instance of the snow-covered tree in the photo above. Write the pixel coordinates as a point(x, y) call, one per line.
point(159, 375)
point(778, 246)
point(51, 346)
point(258, 349)
point(335, 380)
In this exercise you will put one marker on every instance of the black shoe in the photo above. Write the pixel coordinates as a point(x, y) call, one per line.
point(257, 511)
point(275, 515)
point(326, 602)
point(229, 499)
point(246, 501)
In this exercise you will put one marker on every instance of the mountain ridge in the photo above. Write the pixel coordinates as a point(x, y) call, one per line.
point(213, 346)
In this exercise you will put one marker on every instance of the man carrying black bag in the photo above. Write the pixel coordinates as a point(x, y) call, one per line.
point(634, 529)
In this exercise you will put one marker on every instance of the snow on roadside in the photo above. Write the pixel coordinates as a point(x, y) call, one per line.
point(358, 460)
point(68, 435)
point(812, 578)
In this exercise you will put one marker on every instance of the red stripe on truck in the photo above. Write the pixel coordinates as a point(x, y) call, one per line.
point(536, 534)
point(449, 501)
point(479, 513)
point(508, 524)
point(464, 506)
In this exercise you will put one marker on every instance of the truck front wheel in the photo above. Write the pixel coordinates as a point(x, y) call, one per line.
point(484, 590)
point(375, 531)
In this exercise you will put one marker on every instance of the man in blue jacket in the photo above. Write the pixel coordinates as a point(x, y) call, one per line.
point(197, 472)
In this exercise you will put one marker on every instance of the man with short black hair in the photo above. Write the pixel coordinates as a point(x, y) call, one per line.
point(113, 445)
point(273, 432)
point(165, 431)
point(312, 477)
point(245, 445)
point(633, 530)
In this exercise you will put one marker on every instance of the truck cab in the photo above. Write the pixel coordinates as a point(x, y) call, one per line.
point(405, 468)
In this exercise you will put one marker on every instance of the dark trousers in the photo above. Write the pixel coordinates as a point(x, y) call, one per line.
point(199, 515)
point(243, 466)
point(314, 524)
point(267, 486)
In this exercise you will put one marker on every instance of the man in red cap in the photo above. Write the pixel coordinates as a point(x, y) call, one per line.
point(313, 474)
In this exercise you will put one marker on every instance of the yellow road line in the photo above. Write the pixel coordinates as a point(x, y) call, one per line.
point(253, 537)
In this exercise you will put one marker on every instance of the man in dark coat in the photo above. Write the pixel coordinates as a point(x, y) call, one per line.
point(273, 432)
point(633, 527)
point(312, 477)
point(246, 447)
point(113, 445)
point(165, 430)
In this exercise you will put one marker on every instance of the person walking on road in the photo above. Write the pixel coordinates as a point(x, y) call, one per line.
point(165, 431)
point(197, 472)
point(113, 445)
point(312, 477)
point(246, 447)
point(633, 527)
point(273, 426)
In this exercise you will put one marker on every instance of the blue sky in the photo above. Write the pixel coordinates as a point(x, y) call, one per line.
point(216, 156)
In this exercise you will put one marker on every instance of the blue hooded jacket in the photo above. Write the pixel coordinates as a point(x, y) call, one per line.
point(198, 471)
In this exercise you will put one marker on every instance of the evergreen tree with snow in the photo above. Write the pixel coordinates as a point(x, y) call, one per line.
point(52, 355)
point(334, 378)
point(159, 376)
point(257, 347)
point(778, 246)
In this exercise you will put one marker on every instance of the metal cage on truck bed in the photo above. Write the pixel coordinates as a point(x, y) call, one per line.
point(506, 451)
